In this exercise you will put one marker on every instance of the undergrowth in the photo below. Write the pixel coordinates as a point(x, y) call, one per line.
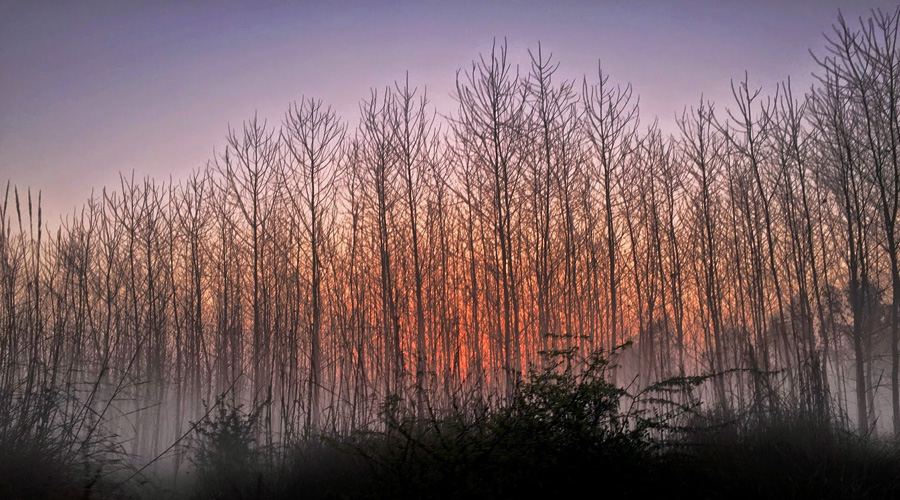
point(566, 430)
point(52, 446)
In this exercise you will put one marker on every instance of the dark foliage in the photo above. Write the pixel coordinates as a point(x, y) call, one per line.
point(43, 454)
point(227, 460)
point(565, 431)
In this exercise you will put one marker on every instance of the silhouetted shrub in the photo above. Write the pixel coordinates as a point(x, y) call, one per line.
point(562, 430)
point(783, 455)
point(48, 450)
point(227, 460)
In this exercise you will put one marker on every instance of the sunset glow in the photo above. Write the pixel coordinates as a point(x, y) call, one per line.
point(345, 218)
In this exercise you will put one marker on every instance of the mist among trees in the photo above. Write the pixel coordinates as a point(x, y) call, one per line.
point(330, 279)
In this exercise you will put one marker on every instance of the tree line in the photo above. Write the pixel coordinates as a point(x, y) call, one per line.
point(335, 278)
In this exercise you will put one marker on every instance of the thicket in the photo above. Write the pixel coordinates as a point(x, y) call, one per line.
point(566, 432)
point(404, 280)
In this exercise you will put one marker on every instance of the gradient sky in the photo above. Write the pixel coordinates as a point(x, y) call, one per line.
point(92, 88)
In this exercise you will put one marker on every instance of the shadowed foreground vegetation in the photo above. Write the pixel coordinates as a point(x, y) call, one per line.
point(564, 432)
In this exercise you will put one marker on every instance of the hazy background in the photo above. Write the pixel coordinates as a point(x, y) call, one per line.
point(89, 89)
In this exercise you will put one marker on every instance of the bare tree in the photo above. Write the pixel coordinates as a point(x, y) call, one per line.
point(491, 120)
point(376, 142)
point(865, 63)
point(412, 128)
point(248, 167)
point(611, 124)
point(703, 151)
point(313, 136)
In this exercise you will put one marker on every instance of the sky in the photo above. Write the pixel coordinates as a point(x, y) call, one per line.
point(89, 89)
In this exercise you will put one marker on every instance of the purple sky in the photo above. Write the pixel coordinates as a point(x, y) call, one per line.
point(91, 88)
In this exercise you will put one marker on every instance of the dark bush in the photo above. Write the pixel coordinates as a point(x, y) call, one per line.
point(227, 461)
point(49, 450)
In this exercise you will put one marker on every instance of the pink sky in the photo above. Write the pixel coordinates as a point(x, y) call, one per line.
point(89, 89)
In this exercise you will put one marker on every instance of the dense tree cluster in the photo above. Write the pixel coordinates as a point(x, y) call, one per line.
point(333, 277)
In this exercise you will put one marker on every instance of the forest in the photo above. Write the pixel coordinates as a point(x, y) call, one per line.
point(320, 280)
